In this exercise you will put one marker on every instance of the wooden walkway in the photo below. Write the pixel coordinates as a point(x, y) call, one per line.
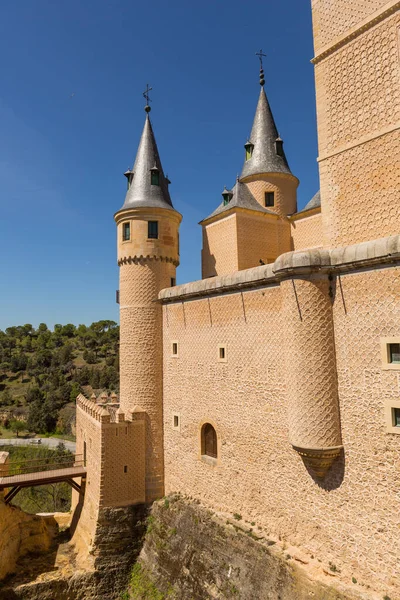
point(42, 474)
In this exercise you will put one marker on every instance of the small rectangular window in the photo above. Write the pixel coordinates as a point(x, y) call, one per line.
point(394, 354)
point(173, 281)
point(175, 348)
point(126, 231)
point(117, 296)
point(396, 417)
point(176, 421)
point(152, 232)
point(222, 356)
point(269, 198)
point(125, 468)
point(155, 178)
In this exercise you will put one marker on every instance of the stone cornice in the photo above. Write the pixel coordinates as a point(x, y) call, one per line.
point(356, 257)
point(128, 260)
point(386, 11)
point(147, 212)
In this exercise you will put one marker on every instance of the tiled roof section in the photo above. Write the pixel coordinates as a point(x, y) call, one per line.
point(315, 202)
point(242, 198)
point(264, 135)
point(141, 192)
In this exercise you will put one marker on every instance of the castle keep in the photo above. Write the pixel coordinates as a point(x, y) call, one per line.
point(271, 387)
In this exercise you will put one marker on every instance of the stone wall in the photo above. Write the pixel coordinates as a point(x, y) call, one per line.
point(307, 232)
point(350, 517)
point(219, 253)
point(358, 114)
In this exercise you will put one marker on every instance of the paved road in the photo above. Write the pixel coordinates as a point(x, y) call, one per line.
point(49, 442)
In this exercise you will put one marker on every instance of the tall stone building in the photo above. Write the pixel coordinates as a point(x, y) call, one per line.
point(271, 387)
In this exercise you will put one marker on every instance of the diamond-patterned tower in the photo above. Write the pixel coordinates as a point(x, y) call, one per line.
point(148, 254)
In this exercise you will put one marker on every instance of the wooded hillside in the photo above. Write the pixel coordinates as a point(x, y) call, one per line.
point(42, 371)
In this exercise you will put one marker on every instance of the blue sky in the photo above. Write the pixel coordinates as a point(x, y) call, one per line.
point(71, 115)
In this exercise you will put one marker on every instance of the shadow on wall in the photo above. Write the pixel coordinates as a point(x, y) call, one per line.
point(334, 477)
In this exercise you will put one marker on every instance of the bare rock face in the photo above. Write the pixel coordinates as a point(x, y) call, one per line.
point(20, 534)
point(189, 553)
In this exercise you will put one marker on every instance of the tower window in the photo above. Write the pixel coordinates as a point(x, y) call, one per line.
point(152, 230)
point(279, 147)
point(126, 231)
point(155, 177)
point(209, 441)
point(175, 349)
point(173, 282)
point(125, 468)
point(394, 354)
point(269, 198)
point(249, 147)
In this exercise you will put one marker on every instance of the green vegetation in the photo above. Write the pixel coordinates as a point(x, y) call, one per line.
point(46, 498)
point(142, 588)
point(237, 516)
point(42, 372)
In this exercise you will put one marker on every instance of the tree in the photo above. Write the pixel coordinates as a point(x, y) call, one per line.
point(17, 426)
point(6, 398)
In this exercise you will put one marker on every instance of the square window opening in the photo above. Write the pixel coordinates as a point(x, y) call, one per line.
point(152, 230)
point(396, 417)
point(269, 198)
point(394, 353)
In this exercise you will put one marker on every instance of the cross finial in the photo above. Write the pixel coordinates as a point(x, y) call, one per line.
point(260, 56)
point(146, 95)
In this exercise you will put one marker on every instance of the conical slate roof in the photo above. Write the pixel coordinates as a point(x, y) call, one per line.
point(242, 198)
point(315, 202)
point(263, 136)
point(141, 192)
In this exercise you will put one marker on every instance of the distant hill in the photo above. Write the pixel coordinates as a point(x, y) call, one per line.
point(42, 371)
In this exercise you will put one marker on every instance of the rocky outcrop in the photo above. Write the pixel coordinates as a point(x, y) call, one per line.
point(20, 534)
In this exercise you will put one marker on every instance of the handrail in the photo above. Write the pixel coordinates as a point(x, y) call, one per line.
point(69, 455)
point(42, 465)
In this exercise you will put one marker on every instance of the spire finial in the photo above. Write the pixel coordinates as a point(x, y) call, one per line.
point(260, 55)
point(148, 89)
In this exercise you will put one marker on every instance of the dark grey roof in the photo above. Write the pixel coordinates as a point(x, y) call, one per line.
point(263, 135)
point(141, 193)
point(242, 198)
point(315, 202)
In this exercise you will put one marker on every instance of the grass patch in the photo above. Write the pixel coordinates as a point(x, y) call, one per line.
point(142, 588)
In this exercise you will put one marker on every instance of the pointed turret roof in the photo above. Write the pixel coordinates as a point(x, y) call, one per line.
point(241, 198)
point(141, 192)
point(264, 134)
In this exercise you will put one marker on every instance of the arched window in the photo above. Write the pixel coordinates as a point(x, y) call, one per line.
point(209, 441)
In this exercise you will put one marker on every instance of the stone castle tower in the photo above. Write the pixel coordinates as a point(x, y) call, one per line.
point(148, 254)
point(251, 225)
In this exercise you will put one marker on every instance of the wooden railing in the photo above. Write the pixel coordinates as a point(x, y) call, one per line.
point(39, 465)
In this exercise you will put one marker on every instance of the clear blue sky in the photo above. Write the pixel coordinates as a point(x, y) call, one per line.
point(71, 114)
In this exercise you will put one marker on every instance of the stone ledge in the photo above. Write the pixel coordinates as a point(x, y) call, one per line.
point(301, 262)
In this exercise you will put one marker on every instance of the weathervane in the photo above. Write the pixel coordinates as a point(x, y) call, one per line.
point(260, 56)
point(146, 95)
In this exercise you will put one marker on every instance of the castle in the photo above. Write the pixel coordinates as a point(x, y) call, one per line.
point(271, 388)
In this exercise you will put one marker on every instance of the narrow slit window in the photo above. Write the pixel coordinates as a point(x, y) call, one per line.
point(222, 353)
point(175, 348)
point(152, 230)
point(126, 232)
point(394, 354)
point(173, 282)
point(125, 468)
point(176, 421)
point(269, 198)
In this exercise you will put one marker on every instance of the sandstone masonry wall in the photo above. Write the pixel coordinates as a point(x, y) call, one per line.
point(307, 232)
